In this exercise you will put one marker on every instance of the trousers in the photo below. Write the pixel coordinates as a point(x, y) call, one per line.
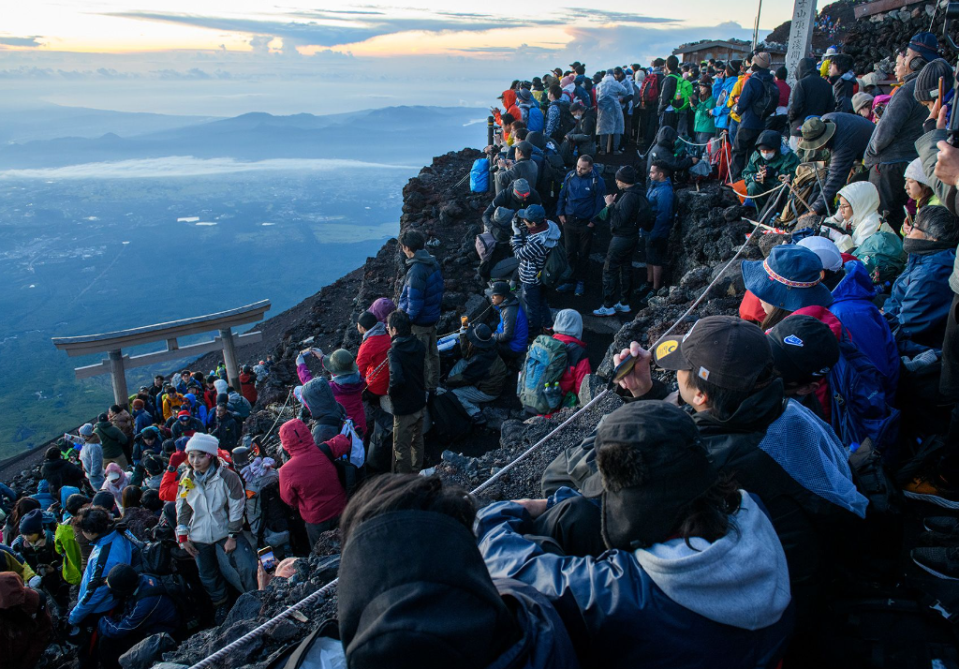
point(217, 568)
point(618, 270)
point(579, 241)
point(890, 181)
point(431, 365)
point(408, 449)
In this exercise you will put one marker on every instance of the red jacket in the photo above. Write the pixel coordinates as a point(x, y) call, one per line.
point(371, 355)
point(751, 309)
point(576, 372)
point(248, 387)
point(308, 481)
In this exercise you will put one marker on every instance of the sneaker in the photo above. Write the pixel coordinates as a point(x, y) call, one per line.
point(219, 616)
point(605, 311)
point(566, 288)
point(938, 539)
point(580, 289)
point(478, 420)
point(941, 561)
point(643, 291)
point(621, 308)
point(942, 524)
point(932, 489)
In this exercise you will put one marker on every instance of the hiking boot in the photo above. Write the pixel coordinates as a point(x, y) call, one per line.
point(566, 288)
point(604, 311)
point(942, 562)
point(219, 616)
point(934, 490)
point(580, 289)
point(643, 291)
point(621, 308)
point(942, 524)
point(479, 420)
point(938, 539)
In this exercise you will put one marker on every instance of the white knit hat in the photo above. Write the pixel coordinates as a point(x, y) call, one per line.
point(205, 443)
point(826, 250)
point(86, 430)
point(914, 171)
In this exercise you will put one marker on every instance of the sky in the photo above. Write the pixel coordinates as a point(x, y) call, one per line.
point(218, 57)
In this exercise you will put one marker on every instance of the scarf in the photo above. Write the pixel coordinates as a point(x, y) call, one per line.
point(925, 247)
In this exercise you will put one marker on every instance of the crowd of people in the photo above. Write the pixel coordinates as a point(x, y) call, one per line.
point(697, 524)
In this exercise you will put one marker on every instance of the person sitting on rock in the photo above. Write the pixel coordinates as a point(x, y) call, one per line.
point(58, 472)
point(789, 279)
point(138, 520)
point(186, 425)
point(438, 603)
point(522, 168)
point(568, 329)
point(110, 547)
point(113, 441)
point(37, 546)
point(857, 217)
point(308, 481)
point(805, 350)
point(143, 608)
point(533, 237)
point(209, 509)
point(345, 382)
point(172, 401)
point(680, 537)
point(25, 621)
point(767, 164)
point(480, 375)
point(512, 331)
point(66, 543)
point(371, 357)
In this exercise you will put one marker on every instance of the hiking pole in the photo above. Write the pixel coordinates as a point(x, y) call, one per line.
point(822, 194)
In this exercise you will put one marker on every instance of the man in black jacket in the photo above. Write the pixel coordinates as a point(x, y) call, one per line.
point(845, 138)
point(625, 214)
point(520, 196)
point(664, 151)
point(224, 427)
point(811, 96)
point(407, 393)
point(667, 93)
point(582, 138)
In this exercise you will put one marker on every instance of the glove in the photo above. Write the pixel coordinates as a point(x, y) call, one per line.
point(300, 360)
point(177, 459)
point(34, 582)
point(516, 229)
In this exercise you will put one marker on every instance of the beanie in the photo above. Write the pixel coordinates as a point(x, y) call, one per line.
point(926, 45)
point(927, 83)
point(626, 174)
point(86, 430)
point(500, 288)
point(103, 418)
point(568, 322)
point(137, 404)
point(32, 523)
point(762, 59)
point(53, 453)
point(105, 499)
point(123, 580)
point(205, 443)
point(860, 100)
point(915, 172)
point(367, 320)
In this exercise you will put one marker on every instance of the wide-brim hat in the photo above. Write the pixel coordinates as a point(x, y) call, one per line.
point(816, 133)
point(481, 337)
point(340, 361)
point(790, 278)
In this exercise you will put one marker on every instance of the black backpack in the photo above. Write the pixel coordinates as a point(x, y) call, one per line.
point(350, 475)
point(565, 125)
point(276, 514)
point(190, 601)
point(766, 105)
point(450, 420)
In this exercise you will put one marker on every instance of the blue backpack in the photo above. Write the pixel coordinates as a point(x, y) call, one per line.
point(859, 407)
point(479, 176)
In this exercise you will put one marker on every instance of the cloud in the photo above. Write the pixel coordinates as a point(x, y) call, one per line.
point(601, 16)
point(21, 41)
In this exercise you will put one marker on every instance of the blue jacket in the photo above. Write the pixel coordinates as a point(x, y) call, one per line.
point(853, 306)
point(660, 196)
point(422, 294)
point(107, 552)
point(141, 419)
point(630, 620)
point(920, 300)
point(722, 89)
point(582, 197)
point(533, 116)
point(753, 91)
point(513, 326)
point(149, 611)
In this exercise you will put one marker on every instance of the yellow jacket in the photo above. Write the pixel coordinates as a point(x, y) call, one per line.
point(734, 96)
point(172, 404)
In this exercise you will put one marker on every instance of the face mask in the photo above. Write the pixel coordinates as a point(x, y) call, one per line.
point(768, 155)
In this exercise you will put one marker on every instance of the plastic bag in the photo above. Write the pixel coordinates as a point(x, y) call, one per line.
point(357, 451)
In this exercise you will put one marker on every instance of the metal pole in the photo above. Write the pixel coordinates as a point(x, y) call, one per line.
point(229, 358)
point(118, 375)
point(490, 127)
point(759, 11)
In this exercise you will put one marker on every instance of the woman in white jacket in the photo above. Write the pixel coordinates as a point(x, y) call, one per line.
point(858, 216)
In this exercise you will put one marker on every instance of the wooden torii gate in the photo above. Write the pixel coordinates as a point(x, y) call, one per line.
point(113, 344)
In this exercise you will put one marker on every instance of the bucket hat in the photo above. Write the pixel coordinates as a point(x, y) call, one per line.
point(790, 278)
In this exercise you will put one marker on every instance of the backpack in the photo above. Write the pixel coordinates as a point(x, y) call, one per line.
point(350, 475)
point(546, 362)
point(556, 271)
point(684, 90)
point(766, 106)
point(882, 255)
point(274, 512)
point(157, 558)
point(565, 125)
point(552, 172)
point(451, 422)
point(649, 93)
point(189, 600)
point(479, 176)
point(860, 411)
point(485, 245)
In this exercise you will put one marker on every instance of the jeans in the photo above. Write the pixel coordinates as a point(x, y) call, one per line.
point(408, 449)
point(215, 565)
point(618, 270)
point(537, 309)
point(890, 181)
point(431, 366)
point(579, 241)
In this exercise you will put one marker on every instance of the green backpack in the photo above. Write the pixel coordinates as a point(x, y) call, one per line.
point(545, 365)
point(684, 90)
point(883, 257)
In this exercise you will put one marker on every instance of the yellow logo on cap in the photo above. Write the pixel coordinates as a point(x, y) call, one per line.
point(666, 348)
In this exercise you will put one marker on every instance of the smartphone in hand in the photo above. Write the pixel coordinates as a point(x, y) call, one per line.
point(267, 559)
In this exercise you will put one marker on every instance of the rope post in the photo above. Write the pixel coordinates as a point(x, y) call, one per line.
point(490, 127)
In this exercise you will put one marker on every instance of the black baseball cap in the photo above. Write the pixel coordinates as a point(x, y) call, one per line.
point(804, 349)
point(723, 350)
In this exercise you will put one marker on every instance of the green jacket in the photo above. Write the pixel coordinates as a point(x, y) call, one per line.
point(782, 163)
point(65, 542)
point(112, 439)
point(926, 146)
point(704, 121)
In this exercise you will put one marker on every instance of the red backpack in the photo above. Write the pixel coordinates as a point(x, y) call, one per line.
point(649, 92)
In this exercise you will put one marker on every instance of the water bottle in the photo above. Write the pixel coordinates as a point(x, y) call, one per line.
point(553, 394)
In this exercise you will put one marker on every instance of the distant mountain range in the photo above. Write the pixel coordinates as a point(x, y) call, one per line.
point(253, 137)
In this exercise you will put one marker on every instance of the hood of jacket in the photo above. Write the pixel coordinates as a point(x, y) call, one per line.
point(376, 330)
point(296, 438)
point(221, 386)
point(864, 200)
point(667, 136)
point(755, 414)
point(740, 580)
point(447, 610)
point(318, 397)
point(807, 68)
point(550, 236)
point(13, 593)
point(348, 383)
point(856, 285)
point(422, 256)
